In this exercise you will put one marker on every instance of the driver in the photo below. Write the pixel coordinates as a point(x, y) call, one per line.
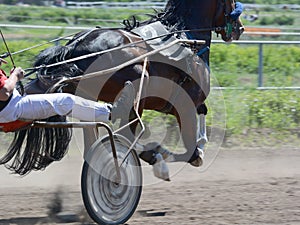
point(14, 106)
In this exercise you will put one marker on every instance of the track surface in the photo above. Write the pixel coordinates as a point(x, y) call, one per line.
point(243, 186)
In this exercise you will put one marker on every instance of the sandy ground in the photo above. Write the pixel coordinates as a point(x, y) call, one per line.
point(242, 186)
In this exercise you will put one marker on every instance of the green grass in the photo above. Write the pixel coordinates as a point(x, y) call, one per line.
point(64, 16)
point(237, 65)
point(262, 109)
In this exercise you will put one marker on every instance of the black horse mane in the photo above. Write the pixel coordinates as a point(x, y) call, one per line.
point(36, 148)
point(173, 15)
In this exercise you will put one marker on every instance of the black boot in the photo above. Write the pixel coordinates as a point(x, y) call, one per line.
point(197, 158)
point(122, 107)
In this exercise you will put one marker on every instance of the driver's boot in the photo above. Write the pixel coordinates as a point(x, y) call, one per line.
point(122, 107)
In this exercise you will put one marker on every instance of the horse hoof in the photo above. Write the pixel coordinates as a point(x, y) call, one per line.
point(160, 168)
point(197, 158)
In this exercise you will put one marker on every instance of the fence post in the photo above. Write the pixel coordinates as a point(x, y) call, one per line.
point(260, 66)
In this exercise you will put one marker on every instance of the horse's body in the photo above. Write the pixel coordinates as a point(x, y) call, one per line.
point(161, 88)
point(199, 17)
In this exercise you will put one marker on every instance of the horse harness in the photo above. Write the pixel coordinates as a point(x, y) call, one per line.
point(179, 55)
point(231, 24)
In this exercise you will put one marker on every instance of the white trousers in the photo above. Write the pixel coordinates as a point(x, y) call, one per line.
point(42, 106)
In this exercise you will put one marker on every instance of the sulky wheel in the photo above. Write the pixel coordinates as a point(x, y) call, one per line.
point(107, 201)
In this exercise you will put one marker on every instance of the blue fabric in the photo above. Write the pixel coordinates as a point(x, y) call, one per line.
point(189, 35)
point(202, 51)
point(237, 11)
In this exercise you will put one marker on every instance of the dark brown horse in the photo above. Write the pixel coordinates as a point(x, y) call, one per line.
point(178, 82)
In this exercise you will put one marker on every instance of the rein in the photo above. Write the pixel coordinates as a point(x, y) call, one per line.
point(36, 46)
point(34, 69)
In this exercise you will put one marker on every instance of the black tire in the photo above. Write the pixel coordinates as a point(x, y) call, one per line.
point(105, 201)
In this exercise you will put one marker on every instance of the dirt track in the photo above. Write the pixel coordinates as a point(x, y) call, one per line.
point(248, 186)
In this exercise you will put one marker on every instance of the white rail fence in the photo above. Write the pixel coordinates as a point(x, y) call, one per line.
point(101, 4)
point(162, 4)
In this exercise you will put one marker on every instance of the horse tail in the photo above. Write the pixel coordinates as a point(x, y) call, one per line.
point(36, 148)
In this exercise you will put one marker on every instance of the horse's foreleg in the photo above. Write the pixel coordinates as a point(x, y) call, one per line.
point(201, 132)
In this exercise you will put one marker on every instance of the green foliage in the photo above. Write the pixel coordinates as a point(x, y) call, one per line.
point(19, 16)
point(9, 2)
point(65, 16)
point(277, 110)
point(237, 65)
point(266, 21)
point(284, 20)
point(279, 20)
